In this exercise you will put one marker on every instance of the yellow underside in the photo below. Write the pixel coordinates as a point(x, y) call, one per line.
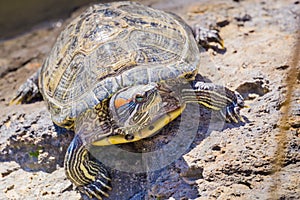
point(145, 132)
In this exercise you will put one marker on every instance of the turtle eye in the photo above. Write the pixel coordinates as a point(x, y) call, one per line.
point(140, 98)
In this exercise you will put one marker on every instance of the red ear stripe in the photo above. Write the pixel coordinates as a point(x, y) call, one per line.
point(120, 102)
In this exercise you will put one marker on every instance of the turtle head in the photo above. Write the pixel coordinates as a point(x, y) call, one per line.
point(135, 107)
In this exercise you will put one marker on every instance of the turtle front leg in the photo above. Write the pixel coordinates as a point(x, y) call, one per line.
point(206, 36)
point(216, 97)
point(28, 90)
point(87, 173)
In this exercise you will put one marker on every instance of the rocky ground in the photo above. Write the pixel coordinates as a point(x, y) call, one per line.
point(259, 159)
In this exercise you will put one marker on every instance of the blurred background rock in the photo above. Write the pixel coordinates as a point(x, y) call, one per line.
point(17, 16)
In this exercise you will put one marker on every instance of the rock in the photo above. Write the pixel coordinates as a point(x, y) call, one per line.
point(251, 90)
point(218, 161)
point(36, 185)
point(33, 141)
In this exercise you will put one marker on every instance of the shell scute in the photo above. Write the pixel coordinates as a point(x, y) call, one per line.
point(111, 46)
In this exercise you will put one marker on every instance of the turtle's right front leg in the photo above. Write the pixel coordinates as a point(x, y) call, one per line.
point(86, 172)
point(218, 98)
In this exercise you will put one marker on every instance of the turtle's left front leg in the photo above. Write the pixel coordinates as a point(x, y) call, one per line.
point(216, 97)
point(86, 172)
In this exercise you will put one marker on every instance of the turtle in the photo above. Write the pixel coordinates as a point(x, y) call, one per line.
point(109, 75)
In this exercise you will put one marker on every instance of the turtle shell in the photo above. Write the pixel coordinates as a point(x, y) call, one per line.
point(109, 47)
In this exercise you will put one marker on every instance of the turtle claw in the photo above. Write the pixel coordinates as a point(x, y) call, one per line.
point(232, 114)
point(27, 91)
point(224, 116)
point(206, 36)
point(103, 184)
point(237, 113)
point(90, 193)
point(96, 189)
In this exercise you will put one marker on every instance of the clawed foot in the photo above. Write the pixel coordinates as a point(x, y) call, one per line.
point(231, 113)
point(206, 36)
point(97, 189)
point(85, 171)
point(27, 91)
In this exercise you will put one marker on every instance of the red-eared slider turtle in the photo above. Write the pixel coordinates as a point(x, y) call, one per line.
point(105, 75)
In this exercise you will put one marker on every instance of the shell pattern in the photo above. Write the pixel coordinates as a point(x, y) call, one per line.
point(109, 47)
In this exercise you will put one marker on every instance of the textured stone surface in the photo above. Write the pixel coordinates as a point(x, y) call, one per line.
point(223, 161)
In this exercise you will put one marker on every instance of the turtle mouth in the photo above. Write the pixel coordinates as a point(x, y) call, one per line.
point(166, 105)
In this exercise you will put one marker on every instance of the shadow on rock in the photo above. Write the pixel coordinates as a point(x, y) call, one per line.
point(154, 168)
